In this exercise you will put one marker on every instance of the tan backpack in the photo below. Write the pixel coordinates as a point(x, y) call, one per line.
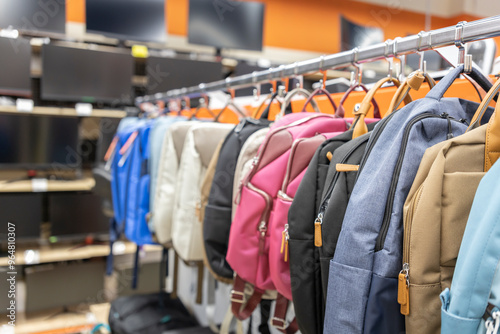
point(435, 214)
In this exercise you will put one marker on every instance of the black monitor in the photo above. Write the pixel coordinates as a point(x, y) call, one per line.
point(15, 64)
point(171, 73)
point(39, 142)
point(81, 75)
point(355, 35)
point(226, 24)
point(137, 20)
point(76, 215)
point(34, 16)
point(25, 212)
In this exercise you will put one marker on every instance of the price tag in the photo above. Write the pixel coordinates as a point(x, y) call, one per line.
point(39, 185)
point(31, 256)
point(83, 109)
point(24, 105)
point(119, 247)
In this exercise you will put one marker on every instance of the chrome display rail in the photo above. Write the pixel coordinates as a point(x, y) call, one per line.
point(458, 35)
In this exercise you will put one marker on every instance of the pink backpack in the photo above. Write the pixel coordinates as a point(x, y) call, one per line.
point(249, 238)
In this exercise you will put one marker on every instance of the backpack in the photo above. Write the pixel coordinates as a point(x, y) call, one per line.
point(248, 240)
point(153, 313)
point(435, 213)
point(308, 263)
point(244, 163)
point(217, 216)
point(472, 305)
point(163, 208)
point(160, 127)
point(362, 282)
point(199, 147)
point(130, 183)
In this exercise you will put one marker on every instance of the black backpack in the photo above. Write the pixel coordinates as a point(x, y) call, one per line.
point(217, 219)
point(305, 258)
point(153, 313)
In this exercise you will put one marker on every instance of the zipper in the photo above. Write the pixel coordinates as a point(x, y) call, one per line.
point(374, 138)
point(399, 164)
point(322, 209)
point(407, 224)
point(262, 228)
point(295, 144)
point(284, 242)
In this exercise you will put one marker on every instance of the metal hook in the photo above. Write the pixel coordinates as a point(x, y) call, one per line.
point(389, 59)
point(463, 57)
point(356, 79)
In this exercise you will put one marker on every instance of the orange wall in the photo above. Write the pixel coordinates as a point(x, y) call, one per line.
point(312, 25)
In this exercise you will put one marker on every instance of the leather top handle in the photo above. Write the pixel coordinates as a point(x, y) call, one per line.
point(288, 100)
point(317, 92)
point(413, 81)
point(360, 127)
point(340, 110)
point(481, 110)
point(265, 113)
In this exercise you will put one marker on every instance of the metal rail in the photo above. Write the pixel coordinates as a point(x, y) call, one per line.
point(458, 35)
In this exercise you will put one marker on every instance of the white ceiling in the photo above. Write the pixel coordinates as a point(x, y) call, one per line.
point(443, 8)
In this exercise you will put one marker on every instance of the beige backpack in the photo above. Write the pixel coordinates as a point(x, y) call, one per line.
point(435, 214)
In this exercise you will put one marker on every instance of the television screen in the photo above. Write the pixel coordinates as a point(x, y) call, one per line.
point(355, 35)
point(171, 73)
point(36, 16)
point(137, 20)
point(15, 64)
point(38, 141)
point(80, 75)
point(76, 214)
point(24, 211)
point(226, 24)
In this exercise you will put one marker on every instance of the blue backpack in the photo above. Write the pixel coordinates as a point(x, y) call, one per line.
point(362, 284)
point(130, 182)
point(473, 303)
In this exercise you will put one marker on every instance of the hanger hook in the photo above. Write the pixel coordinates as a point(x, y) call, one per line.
point(358, 67)
point(388, 57)
point(463, 57)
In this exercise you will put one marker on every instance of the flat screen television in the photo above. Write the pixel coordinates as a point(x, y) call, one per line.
point(170, 73)
point(355, 35)
point(34, 16)
point(76, 215)
point(25, 211)
point(39, 142)
point(81, 75)
point(137, 20)
point(15, 64)
point(226, 24)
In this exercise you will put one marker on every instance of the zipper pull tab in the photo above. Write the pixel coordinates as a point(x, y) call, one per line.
point(262, 239)
point(318, 239)
point(284, 242)
point(403, 290)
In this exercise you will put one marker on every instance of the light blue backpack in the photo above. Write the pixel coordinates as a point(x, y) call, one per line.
point(473, 303)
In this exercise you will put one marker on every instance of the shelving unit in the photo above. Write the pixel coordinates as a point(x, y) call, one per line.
point(56, 111)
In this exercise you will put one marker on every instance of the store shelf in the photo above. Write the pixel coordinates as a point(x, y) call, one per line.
point(56, 111)
point(60, 253)
point(84, 184)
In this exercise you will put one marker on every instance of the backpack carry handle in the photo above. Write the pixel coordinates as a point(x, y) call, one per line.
point(414, 81)
point(481, 110)
point(288, 100)
point(265, 113)
point(442, 86)
point(360, 127)
point(317, 92)
point(340, 110)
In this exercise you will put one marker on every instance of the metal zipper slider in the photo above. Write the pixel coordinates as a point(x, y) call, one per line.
point(262, 239)
point(284, 242)
point(404, 289)
point(318, 239)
